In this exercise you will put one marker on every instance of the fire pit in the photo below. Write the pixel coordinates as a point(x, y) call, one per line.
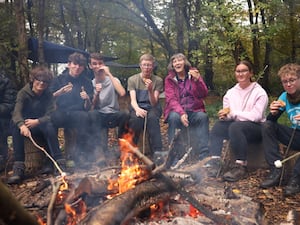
point(137, 192)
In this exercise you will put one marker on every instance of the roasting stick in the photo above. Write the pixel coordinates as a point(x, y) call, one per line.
point(140, 155)
point(52, 202)
point(186, 195)
point(287, 152)
point(144, 133)
point(63, 174)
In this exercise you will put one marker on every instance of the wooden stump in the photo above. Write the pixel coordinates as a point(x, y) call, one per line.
point(70, 137)
point(255, 156)
point(34, 157)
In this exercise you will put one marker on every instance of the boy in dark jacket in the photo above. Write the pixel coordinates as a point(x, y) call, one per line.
point(73, 91)
point(31, 116)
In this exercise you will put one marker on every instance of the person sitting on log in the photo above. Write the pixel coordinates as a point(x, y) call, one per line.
point(144, 90)
point(7, 103)
point(274, 132)
point(105, 111)
point(240, 122)
point(73, 91)
point(31, 117)
point(185, 91)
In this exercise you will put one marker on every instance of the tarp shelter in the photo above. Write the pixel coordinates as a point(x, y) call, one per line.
point(55, 53)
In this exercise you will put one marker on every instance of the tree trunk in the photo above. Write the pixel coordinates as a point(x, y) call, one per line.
point(41, 24)
point(22, 40)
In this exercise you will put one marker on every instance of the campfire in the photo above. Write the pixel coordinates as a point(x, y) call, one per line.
point(139, 192)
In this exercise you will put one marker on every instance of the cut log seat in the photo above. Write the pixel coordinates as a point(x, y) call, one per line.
point(255, 155)
point(35, 159)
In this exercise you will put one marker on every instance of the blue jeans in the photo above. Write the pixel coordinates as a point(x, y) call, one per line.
point(198, 131)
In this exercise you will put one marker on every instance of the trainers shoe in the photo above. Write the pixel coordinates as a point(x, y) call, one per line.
point(272, 179)
point(214, 167)
point(293, 186)
point(236, 173)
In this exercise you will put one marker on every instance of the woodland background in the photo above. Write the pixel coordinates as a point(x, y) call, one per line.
point(213, 34)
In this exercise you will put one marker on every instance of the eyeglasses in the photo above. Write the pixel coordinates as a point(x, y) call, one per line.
point(289, 81)
point(42, 81)
point(242, 71)
point(147, 65)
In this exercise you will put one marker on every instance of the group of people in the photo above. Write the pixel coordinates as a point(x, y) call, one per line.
point(74, 100)
point(243, 120)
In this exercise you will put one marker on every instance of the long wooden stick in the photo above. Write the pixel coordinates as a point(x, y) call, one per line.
point(48, 155)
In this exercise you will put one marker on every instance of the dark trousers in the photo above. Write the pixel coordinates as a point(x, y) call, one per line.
point(100, 122)
point(46, 131)
point(78, 120)
point(136, 124)
point(273, 133)
point(5, 131)
point(240, 133)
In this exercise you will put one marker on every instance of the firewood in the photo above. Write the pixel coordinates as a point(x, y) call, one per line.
point(123, 207)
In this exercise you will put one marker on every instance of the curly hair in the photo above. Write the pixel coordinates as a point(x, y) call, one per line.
point(290, 69)
point(41, 73)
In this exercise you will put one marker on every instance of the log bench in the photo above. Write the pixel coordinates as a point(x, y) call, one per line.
point(35, 159)
point(255, 155)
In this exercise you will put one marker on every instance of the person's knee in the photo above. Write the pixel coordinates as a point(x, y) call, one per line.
point(173, 118)
point(201, 117)
point(268, 125)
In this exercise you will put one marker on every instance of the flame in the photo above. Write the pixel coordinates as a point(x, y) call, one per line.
point(76, 212)
point(132, 170)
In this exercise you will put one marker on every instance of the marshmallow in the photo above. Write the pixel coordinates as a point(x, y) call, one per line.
point(278, 164)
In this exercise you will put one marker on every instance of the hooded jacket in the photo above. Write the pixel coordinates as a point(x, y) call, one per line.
point(197, 89)
point(31, 106)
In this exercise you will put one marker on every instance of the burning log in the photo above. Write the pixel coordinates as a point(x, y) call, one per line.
point(123, 207)
point(12, 212)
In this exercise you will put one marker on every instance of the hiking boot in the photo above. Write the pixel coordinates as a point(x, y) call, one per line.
point(293, 186)
point(272, 179)
point(214, 167)
point(18, 173)
point(236, 173)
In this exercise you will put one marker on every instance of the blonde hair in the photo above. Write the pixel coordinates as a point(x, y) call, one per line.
point(180, 56)
point(147, 57)
point(291, 69)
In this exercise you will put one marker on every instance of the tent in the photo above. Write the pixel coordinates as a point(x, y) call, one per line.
point(56, 53)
